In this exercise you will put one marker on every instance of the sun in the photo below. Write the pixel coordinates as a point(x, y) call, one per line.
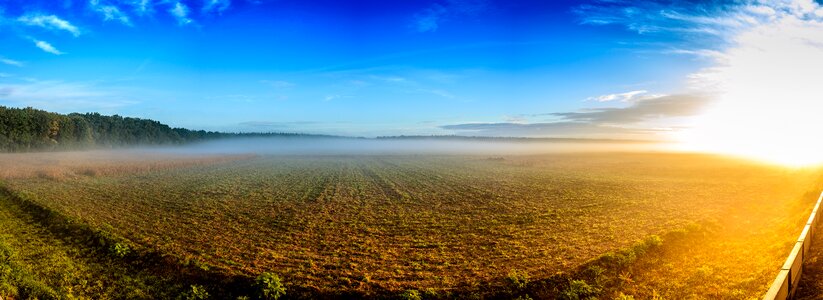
point(790, 138)
point(768, 97)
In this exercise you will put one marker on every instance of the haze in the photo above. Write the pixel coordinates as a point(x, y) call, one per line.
point(404, 146)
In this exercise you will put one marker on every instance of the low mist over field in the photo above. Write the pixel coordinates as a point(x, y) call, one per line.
point(405, 146)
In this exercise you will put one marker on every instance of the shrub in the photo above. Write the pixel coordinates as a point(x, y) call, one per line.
point(270, 286)
point(411, 295)
point(518, 279)
point(197, 292)
point(595, 272)
point(430, 293)
point(653, 241)
point(579, 289)
point(622, 296)
point(121, 250)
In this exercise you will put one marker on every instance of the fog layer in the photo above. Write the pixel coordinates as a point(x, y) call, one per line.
point(404, 146)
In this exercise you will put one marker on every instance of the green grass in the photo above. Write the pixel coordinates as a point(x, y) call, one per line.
point(43, 262)
point(531, 226)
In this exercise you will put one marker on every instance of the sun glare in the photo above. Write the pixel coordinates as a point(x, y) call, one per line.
point(767, 96)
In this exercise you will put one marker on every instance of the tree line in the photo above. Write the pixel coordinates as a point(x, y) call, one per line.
point(29, 129)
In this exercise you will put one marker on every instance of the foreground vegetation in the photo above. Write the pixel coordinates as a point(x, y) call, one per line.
point(567, 226)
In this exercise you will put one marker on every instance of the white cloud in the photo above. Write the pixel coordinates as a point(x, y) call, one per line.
point(49, 22)
point(216, 5)
point(761, 10)
point(181, 12)
point(702, 53)
point(110, 12)
point(62, 96)
point(622, 97)
point(11, 62)
point(45, 46)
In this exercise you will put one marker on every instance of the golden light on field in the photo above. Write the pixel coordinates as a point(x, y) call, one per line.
point(768, 95)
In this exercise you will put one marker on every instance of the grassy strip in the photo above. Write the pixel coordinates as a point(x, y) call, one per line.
point(15, 281)
point(170, 277)
point(598, 278)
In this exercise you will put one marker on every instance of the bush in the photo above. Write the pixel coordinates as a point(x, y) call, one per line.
point(518, 279)
point(653, 241)
point(197, 292)
point(411, 295)
point(430, 293)
point(270, 286)
point(579, 289)
point(595, 272)
point(622, 296)
point(121, 250)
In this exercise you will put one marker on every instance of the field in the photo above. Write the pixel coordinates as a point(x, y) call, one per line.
point(563, 225)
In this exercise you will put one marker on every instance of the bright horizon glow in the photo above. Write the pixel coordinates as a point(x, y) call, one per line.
point(768, 102)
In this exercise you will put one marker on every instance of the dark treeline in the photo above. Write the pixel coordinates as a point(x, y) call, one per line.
point(29, 129)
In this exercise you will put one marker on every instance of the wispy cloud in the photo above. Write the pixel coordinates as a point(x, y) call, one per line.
point(63, 96)
point(632, 121)
point(279, 84)
point(110, 12)
point(45, 46)
point(271, 124)
point(622, 97)
point(712, 23)
point(701, 53)
point(49, 22)
point(643, 110)
point(140, 7)
point(555, 129)
point(440, 92)
point(181, 12)
point(11, 62)
point(430, 18)
point(389, 78)
point(216, 5)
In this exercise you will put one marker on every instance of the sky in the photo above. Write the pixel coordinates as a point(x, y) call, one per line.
point(671, 70)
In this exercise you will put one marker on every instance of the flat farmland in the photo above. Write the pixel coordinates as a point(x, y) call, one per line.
point(448, 226)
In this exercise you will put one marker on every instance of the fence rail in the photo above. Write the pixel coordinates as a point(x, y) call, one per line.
point(785, 285)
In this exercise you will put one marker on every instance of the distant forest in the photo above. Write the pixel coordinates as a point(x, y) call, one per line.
point(29, 129)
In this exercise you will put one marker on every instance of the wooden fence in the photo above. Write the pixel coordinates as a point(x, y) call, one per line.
point(785, 285)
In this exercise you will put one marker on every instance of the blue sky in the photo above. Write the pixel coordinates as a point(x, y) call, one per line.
point(368, 68)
